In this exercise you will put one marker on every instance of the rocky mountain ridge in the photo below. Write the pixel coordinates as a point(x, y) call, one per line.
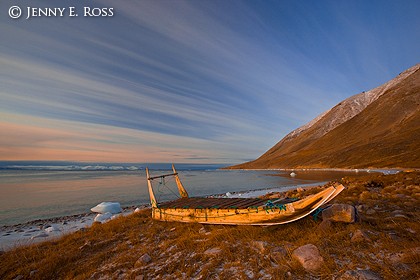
point(367, 122)
point(350, 107)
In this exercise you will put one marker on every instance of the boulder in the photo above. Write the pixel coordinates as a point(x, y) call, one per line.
point(144, 259)
point(360, 236)
point(213, 251)
point(278, 254)
point(324, 226)
point(404, 256)
point(359, 275)
point(259, 246)
point(308, 256)
point(344, 213)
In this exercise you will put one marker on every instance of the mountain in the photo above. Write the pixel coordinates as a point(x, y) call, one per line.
point(377, 128)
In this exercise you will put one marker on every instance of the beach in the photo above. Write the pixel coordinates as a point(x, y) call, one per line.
point(28, 233)
point(59, 198)
point(381, 243)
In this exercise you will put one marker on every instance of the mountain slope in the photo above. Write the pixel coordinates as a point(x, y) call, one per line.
point(377, 128)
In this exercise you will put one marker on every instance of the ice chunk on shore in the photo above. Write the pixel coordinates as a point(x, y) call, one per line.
point(52, 228)
point(104, 207)
point(103, 217)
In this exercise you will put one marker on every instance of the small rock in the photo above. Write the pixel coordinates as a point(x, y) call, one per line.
point(394, 236)
point(202, 230)
point(292, 174)
point(139, 277)
point(405, 256)
point(401, 216)
point(18, 277)
point(32, 273)
point(213, 251)
point(340, 213)
point(308, 256)
point(259, 246)
point(360, 236)
point(360, 208)
point(410, 230)
point(359, 275)
point(325, 225)
point(370, 212)
point(144, 259)
point(278, 254)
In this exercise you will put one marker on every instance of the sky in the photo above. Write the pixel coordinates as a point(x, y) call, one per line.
point(200, 81)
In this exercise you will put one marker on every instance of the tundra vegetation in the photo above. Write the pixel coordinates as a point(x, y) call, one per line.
point(382, 243)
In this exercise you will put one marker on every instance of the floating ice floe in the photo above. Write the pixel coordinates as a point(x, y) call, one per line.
point(104, 207)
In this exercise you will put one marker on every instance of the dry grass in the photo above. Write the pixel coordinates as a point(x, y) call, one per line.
point(388, 215)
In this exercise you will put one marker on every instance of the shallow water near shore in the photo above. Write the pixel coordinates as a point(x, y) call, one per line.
point(27, 195)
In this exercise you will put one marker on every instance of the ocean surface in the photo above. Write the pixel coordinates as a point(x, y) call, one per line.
point(41, 190)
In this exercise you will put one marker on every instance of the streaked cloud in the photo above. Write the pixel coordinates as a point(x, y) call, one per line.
point(216, 80)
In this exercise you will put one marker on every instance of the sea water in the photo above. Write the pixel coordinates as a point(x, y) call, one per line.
point(31, 191)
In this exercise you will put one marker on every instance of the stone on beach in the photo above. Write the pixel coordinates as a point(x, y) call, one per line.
point(309, 257)
point(213, 251)
point(104, 207)
point(144, 259)
point(359, 275)
point(344, 213)
point(360, 236)
point(404, 256)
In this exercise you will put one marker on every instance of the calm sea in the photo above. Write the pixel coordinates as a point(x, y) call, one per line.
point(41, 190)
